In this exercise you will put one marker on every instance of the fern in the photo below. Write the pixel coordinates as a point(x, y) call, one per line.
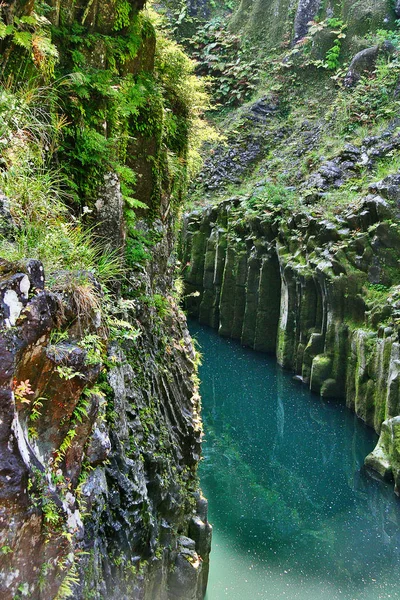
point(5, 30)
point(65, 445)
point(81, 410)
point(66, 589)
point(27, 20)
point(134, 203)
point(23, 39)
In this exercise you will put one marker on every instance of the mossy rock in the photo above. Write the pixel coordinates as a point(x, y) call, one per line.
point(380, 459)
point(320, 372)
point(330, 389)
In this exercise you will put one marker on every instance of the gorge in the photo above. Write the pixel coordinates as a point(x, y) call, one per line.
point(275, 221)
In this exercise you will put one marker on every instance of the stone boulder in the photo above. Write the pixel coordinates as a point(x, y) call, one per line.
point(110, 213)
point(385, 459)
point(388, 188)
point(306, 11)
point(363, 62)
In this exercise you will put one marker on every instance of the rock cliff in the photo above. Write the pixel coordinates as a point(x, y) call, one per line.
point(101, 480)
point(272, 23)
point(295, 247)
point(317, 292)
point(100, 427)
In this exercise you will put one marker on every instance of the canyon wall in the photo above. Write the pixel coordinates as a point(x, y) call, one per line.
point(306, 289)
point(100, 427)
point(98, 479)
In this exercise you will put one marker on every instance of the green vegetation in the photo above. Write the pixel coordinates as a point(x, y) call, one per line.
point(316, 115)
point(38, 190)
point(56, 150)
point(221, 57)
point(29, 45)
point(270, 195)
point(77, 103)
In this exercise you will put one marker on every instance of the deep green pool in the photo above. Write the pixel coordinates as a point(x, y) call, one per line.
point(294, 514)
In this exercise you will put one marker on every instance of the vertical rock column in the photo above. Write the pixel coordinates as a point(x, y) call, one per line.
point(233, 291)
point(213, 270)
point(286, 340)
point(269, 300)
point(250, 312)
point(239, 297)
point(194, 268)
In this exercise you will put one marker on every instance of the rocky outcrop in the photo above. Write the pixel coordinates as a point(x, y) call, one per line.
point(306, 11)
point(40, 521)
point(7, 225)
point(276, 22)
point(148, 534)
point(98, 482)
point(199, 8)
point(363, 62)
point(231, 161)
point(318, 293)
point(244, 151)
point(110, 214)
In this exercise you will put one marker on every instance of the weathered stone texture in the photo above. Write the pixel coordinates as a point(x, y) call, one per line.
point(277, 21)
point(130, 464)
point(306, 300)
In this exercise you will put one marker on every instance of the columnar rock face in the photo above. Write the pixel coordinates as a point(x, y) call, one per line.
point(98, 479)
point(307, 290)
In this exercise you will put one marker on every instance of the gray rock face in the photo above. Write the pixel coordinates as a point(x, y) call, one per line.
point(147, 500)
point(296, 286)
point(110, 211)
point(306, 11)
point(389, 188)
point(397, 8)
point(230, 161)
point(7, 225)
point(246, 149)
point(130, 462)
point(363, 62)
point(99, 445)
point(385, 458)
point(335, 172)
point(198, 8)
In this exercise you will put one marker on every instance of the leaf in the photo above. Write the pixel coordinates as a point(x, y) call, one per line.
point(23, 39)
point(134, 203)
point(5, 30)
point(28, 20)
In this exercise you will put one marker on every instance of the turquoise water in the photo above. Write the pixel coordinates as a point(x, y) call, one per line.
point(294, 514)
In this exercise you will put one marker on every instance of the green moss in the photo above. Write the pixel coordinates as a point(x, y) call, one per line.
point(320, 372)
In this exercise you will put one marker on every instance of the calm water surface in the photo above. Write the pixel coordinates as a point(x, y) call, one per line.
point(294, 514)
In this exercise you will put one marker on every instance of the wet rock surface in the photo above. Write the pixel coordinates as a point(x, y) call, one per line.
point(150, 481)
point(125, 457)
point(315, 292)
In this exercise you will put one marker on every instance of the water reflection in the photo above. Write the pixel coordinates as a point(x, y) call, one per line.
point(294, 514)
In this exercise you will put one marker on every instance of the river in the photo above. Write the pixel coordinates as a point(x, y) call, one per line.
point(295, 516)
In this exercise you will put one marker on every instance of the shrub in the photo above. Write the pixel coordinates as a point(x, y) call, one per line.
point(220, 56)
